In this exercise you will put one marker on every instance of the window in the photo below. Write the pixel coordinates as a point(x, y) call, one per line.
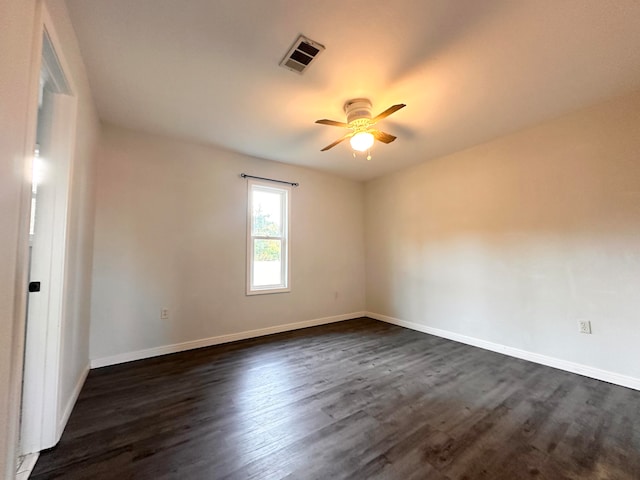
point(267, 238)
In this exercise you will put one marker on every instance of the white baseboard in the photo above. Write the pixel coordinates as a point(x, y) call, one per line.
point(25, 467)
point(71, 402)
point(580, 369)
point(207, 342)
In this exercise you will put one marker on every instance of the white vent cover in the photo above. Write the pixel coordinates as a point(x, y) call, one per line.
point(301, 54)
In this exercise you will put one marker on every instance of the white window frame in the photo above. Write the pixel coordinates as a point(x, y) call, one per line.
point(285, 191)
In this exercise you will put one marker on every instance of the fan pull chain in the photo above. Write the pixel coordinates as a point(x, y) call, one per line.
point(368, 157)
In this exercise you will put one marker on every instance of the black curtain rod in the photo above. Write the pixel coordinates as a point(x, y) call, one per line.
point(293, 184)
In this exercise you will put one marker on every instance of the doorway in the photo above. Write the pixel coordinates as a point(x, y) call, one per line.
point(40, 425)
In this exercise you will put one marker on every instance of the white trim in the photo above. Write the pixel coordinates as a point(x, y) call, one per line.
point(64, 418)
point(206, 342)
point(580, 369)
point(14, 449)
point(27, 462)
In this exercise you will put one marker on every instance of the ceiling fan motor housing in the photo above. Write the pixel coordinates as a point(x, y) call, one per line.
point(358, 109)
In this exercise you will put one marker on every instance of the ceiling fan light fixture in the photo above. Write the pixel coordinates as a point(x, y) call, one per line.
point(360, 122)
point(362, 141)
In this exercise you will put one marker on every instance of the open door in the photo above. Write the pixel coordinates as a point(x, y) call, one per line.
point(40, 413)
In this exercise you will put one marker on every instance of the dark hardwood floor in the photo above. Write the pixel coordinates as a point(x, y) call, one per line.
point(360, 400)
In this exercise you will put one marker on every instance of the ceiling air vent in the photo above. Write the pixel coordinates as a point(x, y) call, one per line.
point(301, 54)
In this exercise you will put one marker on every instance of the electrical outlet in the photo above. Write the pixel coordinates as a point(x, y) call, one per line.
point(584, 326)
point(164, 313)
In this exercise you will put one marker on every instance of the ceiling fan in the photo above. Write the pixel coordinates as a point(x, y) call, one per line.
point(360, 122)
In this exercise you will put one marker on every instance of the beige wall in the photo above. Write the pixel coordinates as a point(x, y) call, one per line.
point(514, 241)
point(170, 232)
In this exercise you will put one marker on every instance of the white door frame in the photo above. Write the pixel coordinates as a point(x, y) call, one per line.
point(42, 417)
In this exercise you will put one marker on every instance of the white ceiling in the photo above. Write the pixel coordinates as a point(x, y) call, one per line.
point(468, 70)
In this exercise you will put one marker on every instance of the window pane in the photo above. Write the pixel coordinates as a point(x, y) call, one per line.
point(267, 262)
point(267, 213)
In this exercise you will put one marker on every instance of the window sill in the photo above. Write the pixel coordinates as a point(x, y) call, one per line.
point(268, 290)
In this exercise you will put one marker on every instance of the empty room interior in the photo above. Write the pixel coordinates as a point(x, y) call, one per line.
point(277, 239)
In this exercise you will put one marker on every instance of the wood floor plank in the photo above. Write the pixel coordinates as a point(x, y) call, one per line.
point(358, 399)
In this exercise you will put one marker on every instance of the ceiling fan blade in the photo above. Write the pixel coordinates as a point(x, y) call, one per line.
point(336, 142)
point(383, 137)
point(388, 112)
point(333, 123)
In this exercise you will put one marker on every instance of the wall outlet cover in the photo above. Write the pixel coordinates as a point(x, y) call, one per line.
point(584, 326)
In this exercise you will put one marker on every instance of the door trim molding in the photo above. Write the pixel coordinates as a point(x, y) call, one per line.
point(43, 342)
